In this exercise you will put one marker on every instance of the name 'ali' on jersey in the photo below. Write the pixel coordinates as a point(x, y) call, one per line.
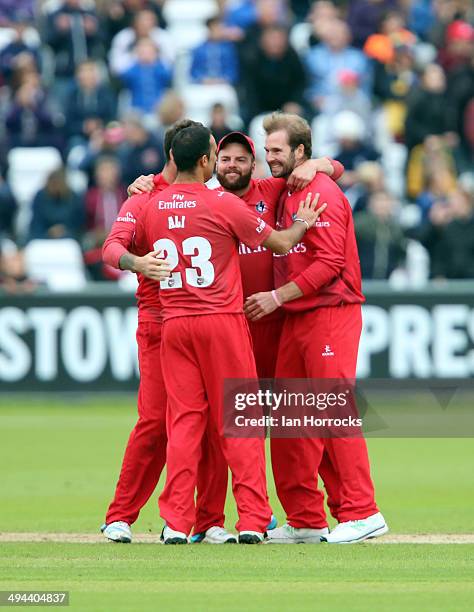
point(198, 231)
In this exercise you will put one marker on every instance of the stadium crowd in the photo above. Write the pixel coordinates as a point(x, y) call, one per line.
point(88, 89)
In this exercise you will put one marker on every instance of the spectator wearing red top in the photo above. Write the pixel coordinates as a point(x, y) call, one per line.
point(458, 48)
point(103, 202)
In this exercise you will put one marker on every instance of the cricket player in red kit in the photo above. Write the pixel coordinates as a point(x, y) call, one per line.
point(256, 266)
point(319, 286)
point(235, 166)
point(145, 454)
point(234, 172)
point(199, 231)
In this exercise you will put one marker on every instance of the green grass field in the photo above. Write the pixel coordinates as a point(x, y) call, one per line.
point(59, 460)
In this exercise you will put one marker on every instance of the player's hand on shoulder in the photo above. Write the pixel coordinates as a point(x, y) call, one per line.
point(309, 210)
point(259, 305)
point(143, 184)
point(301, 177)
point(153, 266)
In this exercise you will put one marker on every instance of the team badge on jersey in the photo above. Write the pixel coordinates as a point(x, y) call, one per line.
point(261, 207)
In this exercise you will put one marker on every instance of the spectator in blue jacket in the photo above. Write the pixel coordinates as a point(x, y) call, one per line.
point(215, 60)
point(326, 61)
point(148, 78)
point(241, 14)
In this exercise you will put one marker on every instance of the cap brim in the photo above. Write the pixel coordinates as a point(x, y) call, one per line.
point(238, 137)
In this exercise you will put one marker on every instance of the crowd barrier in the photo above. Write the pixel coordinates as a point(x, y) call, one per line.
point(86, 341)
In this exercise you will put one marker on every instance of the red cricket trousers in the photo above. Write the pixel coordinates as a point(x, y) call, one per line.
point(266, 340)
point(266, 335)
point(296, 462)
point(198, 353)
point(145, 454)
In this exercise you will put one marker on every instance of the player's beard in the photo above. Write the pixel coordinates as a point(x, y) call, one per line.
point(241, 182)
point(284, 170)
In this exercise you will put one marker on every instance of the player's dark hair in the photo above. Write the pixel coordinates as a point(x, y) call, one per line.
point(173, 130)
point(189, 145)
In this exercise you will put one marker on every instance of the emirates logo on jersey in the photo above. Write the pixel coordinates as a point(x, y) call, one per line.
point(261, 226)
point(129, 218)
point(261, 207)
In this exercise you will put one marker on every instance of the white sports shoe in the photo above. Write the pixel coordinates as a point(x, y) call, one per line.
point(357, 531)
point(118, 531)
point(219, 535)
point(251, 537)
point(286, 534)
point(170, 536)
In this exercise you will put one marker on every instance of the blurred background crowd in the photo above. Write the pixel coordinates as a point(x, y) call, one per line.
point(88, 88)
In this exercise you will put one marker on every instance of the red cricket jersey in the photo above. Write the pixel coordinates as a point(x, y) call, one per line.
point(256, 265)
point(325, 265)
point(121, 239)
point(199, 230)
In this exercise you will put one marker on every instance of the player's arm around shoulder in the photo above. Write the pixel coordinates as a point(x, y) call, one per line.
point(121, 242)
point(121, 234)
point(328, 235)
point(301, 177)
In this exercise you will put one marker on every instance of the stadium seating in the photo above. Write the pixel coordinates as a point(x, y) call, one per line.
point(49, 6)
point(299, 37)
point(186, 21)
point(57, 263)
point(257, 134)
point(199, 100)
point(189, 10)
point(30, 36)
